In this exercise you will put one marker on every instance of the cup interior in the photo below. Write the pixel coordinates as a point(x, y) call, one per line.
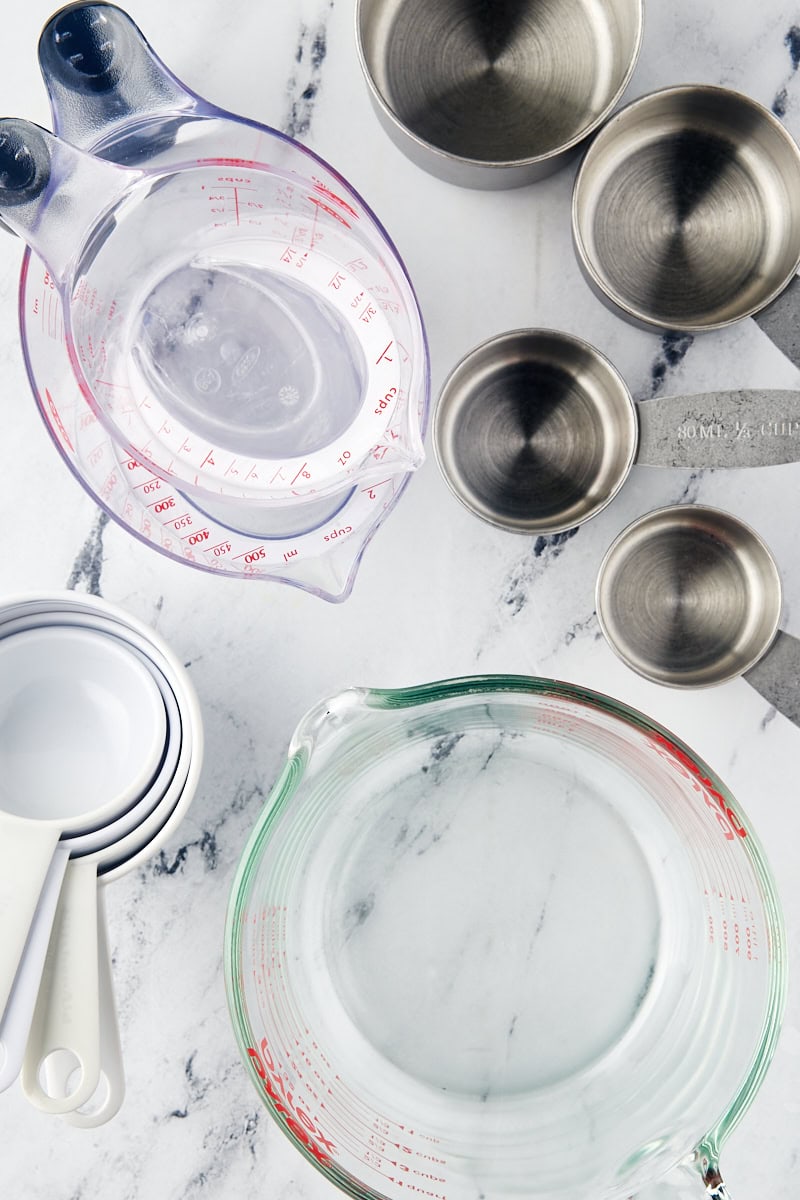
point(689, 596)
point(502, 82)
point(535, 431)
point(82, 726)
point(686, 208)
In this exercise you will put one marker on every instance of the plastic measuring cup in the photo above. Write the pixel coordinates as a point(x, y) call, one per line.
point(244, 365)
point(535, 431)
point(61, 1039)
point(104, 720)
point(16, 1022)
point(434, 976)
point(111, 93)
point(54, 1078)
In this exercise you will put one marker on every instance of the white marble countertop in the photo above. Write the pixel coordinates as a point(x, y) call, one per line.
point(439, 593)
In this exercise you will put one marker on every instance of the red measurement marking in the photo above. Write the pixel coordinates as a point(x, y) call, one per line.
point(257, 554)
point(370, 491)
point(729, 822)
point(208, 461)
point(384, 354)
point(227, 162)
point(121, 387)
point(326, 191)
point(236, 203)
point(57, 420)
point(337, 216)
point(302, 472)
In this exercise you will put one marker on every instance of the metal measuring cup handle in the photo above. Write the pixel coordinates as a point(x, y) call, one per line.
point(101, 75)
point(748, 427)
point(780, 321)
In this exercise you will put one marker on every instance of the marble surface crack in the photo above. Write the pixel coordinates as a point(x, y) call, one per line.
point(304, 82)
point(207, 843)
point(514, 594)
point(674, 348)
point(88, 565)
point(792, 43)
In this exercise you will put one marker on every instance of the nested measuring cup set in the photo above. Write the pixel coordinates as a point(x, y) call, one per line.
point(101, 745)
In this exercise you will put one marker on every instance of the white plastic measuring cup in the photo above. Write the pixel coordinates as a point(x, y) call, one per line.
point(16, 1023)
point(82, 727)
point(58, 1044)
point(16, 1020)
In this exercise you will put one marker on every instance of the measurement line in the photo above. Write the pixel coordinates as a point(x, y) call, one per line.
point(299, 473)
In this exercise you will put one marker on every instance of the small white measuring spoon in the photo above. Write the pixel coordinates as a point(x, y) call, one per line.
point(82, 726)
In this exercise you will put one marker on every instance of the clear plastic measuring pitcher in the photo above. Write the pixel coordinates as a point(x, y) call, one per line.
point(503, 937)
point(231, 405)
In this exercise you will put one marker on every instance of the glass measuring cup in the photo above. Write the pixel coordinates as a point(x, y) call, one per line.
point(435, 979)
point(111, 93)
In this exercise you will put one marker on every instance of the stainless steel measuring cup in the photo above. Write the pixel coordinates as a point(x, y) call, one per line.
point(495, 95)
point(535, 430)
point(689, 596)
point(686, 209)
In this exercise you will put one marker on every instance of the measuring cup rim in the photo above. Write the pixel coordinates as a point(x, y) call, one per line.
point(673, 515)
point(126, 797)
point(590, 272)
point(506, 166)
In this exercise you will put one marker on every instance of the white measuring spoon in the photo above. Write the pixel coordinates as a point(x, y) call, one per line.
point(16, 1024)
point(82, 727)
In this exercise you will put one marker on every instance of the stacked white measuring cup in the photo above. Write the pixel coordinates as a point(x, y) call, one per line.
point(101, 746)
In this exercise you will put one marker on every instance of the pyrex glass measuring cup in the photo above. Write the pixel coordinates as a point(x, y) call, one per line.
point(110, 92)
point(501, 936)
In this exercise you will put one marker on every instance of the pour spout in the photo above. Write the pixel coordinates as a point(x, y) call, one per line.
point(51, 193)
point(103, 78)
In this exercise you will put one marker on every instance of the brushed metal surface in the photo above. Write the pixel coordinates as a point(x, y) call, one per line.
point(686, 209)
point(689, 596)
point(535, 431)
point(749, 427)
point(495, 94)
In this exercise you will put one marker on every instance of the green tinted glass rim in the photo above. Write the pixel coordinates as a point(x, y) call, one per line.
point(396, 699)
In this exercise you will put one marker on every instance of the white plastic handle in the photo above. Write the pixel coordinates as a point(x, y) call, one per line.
point(15, 1023)
point(26, 851)
point(67, 1015)
point(106, 1101)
